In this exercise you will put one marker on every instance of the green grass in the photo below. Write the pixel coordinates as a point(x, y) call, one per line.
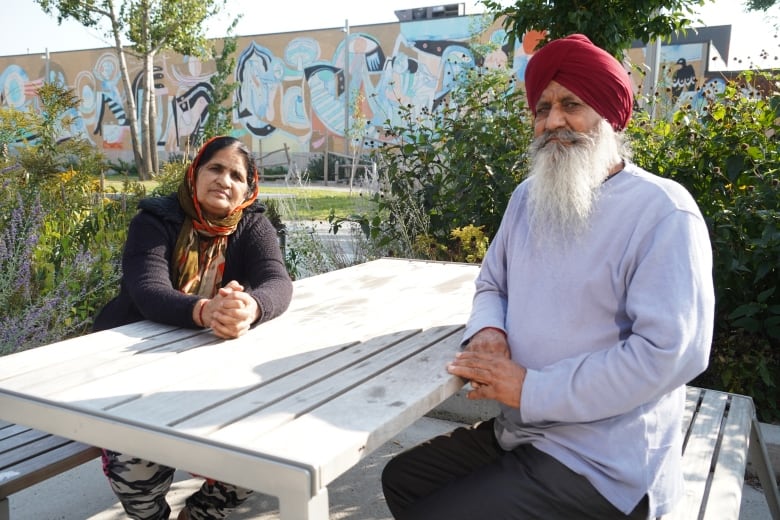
point(294, 203)
point(117, 182)
point(315, 204)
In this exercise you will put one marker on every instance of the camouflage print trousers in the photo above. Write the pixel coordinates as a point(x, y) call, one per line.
point(141, 487)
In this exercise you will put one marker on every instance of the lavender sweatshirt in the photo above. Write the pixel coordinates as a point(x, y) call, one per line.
point(610, 330)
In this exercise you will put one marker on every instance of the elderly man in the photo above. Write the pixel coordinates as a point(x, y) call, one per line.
point(593, 307)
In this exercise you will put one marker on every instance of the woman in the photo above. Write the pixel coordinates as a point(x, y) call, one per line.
point(205, 257)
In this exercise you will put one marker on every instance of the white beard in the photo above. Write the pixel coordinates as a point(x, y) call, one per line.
point(567, 176)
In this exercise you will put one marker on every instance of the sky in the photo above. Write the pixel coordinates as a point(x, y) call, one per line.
point(26, 29)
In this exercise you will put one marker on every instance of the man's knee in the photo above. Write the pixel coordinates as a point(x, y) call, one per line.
point(391, 472)
point(392, 482)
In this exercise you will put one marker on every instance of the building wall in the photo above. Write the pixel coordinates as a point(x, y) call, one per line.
point(292, 85)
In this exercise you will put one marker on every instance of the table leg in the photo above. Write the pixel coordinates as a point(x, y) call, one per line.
point(294, 507)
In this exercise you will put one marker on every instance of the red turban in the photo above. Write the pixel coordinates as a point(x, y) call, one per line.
point(590, 72)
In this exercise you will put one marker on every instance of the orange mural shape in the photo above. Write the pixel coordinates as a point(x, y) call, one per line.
point(531, 39)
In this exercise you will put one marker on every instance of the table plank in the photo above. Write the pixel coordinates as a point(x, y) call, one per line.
point(247, 404)
point(368, 415)
point(183, 383)
point(242, 467)
point(54, 354)
point(100, 355)
point(328, 384)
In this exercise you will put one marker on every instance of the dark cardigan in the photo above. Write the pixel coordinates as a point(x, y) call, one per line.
point(253, 258)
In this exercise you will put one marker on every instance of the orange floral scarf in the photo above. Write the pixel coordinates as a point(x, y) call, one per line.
point(199, 254)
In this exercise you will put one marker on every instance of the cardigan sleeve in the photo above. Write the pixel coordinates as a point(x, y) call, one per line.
point(146, 272)
point(254, 259)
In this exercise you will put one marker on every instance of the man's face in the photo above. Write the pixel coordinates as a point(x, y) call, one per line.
point(559, 108)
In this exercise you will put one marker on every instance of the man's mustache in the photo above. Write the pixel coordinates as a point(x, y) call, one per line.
point(562, 136)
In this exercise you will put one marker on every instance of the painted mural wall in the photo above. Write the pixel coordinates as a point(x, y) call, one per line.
point(683, 77)
point(294, 87)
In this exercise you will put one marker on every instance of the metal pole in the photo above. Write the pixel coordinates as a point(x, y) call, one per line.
point(325, 161)
point(346, 87)
point(46, 57)
point(650, 84)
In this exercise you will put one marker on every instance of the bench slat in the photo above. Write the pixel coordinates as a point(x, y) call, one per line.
point(692, 397)
point(61, 456)
point(725, 493)
point(32, 444)
point(9, 430)
point(16, 443)
point(698, 455)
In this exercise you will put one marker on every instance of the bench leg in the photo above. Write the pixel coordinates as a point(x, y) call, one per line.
point(294, 507)
point(759, 458)
point(5, 509)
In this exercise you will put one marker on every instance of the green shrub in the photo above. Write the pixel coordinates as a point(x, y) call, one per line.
point(726, 154)
point(48, 153)
point(59, 260)
point(315, 168)
point(273, 172)
point(60, 235)
point(170, 177)
point(450, 169)
point(121, 167)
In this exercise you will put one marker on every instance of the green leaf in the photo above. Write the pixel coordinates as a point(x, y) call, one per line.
point(718, 112)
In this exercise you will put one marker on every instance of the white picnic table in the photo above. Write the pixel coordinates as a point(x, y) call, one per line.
point(287, 408)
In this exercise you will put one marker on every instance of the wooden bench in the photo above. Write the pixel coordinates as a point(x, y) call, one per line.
point(29, 456)
point(722, 435)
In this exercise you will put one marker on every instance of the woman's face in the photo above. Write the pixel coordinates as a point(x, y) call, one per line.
point(221, 183)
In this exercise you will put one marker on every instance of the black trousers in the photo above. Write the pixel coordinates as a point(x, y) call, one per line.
point(465, 474)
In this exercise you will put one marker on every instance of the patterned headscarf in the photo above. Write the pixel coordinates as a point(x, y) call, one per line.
point(199, 254)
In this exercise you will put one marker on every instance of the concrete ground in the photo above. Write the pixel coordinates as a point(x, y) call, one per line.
point(83, 494)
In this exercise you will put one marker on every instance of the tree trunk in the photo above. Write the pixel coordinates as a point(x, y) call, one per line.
point(153, 137)
point(130, 104)
point(146, 132)
point(147, 82)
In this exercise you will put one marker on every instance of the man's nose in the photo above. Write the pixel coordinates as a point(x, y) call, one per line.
point(555, 119)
